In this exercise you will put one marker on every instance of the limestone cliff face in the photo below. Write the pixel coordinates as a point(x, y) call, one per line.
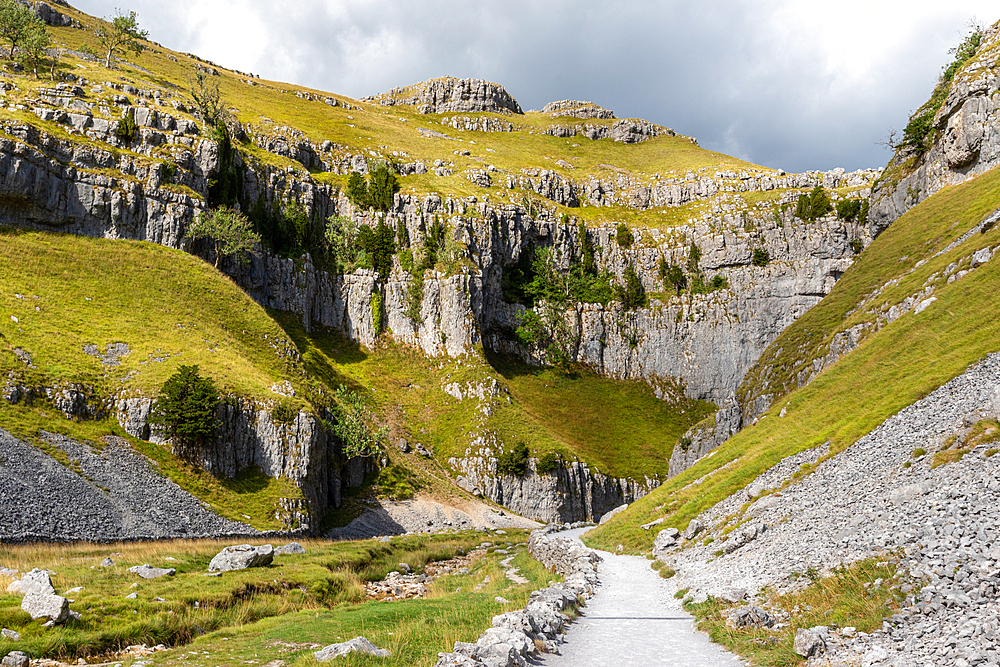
point(451, 95)
point(247, 435)
point(706, 341)
point(966, 139)
point(571, 492)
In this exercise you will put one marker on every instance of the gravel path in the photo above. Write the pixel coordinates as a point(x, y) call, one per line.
point(633, 620)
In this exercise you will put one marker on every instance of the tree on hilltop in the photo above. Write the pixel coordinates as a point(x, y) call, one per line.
point(35, 47)
point(120, 35)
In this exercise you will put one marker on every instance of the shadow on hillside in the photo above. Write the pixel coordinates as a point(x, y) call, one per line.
point(321, 349)
point(511, 367)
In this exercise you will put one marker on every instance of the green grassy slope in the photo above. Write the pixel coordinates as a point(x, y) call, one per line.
point(891, 369)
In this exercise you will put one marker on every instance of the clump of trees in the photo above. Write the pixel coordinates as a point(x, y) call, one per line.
point(377, 191)
point(514, 461)
point(814, 205)
point(185, 412)
point(27, 36)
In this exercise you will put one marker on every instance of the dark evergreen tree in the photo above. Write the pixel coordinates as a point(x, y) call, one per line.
point(185, 411)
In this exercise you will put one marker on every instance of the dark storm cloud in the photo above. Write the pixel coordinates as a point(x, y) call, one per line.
point(796, 85)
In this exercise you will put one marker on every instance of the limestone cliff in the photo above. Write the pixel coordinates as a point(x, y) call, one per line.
point(450, 95)
point(964, 142)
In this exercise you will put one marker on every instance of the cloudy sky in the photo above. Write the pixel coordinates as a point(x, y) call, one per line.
point(792, 84)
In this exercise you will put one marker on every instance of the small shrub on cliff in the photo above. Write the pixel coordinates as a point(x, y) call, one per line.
point(624, 235)
point(857, 245)
point(185, 411)
point(379, 244)
point(814, 205)
point(547, 463)
point(352, 424)
point(631, 293)
point(514, 461)
point(126, 128)
point(760, 257)
point(848, 209)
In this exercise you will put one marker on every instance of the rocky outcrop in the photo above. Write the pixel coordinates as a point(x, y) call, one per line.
point(577, 109)
point(571, 492)
point(451, 95)
point(248, 436)
point(966, 140)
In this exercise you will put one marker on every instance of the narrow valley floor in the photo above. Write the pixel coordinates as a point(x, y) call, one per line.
point(633, 620)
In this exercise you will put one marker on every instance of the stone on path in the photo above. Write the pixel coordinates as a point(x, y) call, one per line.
point(290, 548)
point(148, 572)
point(356, 645)
point(240, 557)
point(16, 659)
point(36, 581)
point(43, 605)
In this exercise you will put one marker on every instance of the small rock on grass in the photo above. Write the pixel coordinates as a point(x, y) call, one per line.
point(290, 548)
point(12, 635)
point(356, 645)
point(107, 562)
point(148, 572)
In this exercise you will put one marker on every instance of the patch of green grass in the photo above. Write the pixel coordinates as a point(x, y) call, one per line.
point(918, 452)
point(866, 386)
point(847, 598)
point(313, 597)
point(171, 308)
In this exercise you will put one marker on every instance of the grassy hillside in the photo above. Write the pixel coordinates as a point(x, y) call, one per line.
point(620, 428)
point(892, 368)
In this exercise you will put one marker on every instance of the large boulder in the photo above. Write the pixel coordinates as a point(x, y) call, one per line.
point(148, 572)
point(242, 556)
point(665, 539)
point(43, 605)
point(356, 645)
point(809, 643)
point(36, 581)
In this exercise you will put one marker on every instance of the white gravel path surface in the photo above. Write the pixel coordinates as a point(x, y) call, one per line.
point(633, 620)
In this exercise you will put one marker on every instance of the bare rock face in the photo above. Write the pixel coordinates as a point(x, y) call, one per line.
point(451, 95)
point(968, 144)
point(577, 109)
point(240, 557)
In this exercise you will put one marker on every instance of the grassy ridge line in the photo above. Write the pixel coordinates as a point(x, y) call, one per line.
point(922, 232)
point(889, 371)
